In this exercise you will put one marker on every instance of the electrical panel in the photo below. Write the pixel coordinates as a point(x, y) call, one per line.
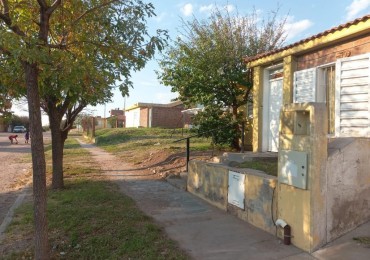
point(293, 168)
point(236, 189)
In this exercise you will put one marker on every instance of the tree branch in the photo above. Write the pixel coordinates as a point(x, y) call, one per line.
point(92, 10)
point(5, 17)
point(43, 4)
point(54, 6)
point(6, 6)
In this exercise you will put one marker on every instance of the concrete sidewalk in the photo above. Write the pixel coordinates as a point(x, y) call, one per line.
point(202, 230)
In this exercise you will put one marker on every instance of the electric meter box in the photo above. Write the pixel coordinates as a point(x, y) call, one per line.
point(293, 168)
point(236, 189)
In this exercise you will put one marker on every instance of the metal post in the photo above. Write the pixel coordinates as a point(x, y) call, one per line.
point(187, 153)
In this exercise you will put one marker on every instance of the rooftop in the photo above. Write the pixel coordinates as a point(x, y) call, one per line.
point(311, 38)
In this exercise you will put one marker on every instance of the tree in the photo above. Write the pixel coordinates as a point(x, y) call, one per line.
point(70, 53)
point(5, 105)
point(205, 65)
point(20, 120)
point(110, 43)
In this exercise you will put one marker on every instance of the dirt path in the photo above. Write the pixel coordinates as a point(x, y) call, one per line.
point(114, 168)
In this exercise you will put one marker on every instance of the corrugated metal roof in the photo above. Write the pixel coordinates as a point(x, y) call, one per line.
point(332, 30)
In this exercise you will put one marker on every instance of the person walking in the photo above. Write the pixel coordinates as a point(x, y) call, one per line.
point(27, 137)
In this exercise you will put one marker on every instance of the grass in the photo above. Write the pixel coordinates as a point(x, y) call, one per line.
point(91, 219)
point(116, 138)
point(271, 168)
point(123, 142)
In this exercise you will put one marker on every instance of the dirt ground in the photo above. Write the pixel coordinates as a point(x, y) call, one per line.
point(164, 164)
point(15, 171)
point(15, 167)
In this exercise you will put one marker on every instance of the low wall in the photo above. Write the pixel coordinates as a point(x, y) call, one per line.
point(348, 194)
point(209, 181)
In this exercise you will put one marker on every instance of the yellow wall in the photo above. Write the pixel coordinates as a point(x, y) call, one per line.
point(305, 209)
point(209, 181)
point(257, 110)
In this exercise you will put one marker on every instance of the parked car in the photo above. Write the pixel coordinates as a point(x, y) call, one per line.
point(19, 129)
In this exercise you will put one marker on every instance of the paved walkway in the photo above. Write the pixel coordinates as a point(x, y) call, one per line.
point(204, 231)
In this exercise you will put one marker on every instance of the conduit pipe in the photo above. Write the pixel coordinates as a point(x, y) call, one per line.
point(287, 232)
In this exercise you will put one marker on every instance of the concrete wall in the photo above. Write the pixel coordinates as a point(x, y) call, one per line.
point(305, 209)
point(348, 171)
point(209, 181)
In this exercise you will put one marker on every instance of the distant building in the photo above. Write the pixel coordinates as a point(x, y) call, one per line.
point(156, 115)
point(120, 117)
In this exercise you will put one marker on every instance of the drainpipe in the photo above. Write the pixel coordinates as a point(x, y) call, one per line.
point(287, 232)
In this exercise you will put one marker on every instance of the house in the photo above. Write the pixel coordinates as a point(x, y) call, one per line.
point(118, 116)
point(312, 106)
point(311, 109)
point(331, 67)
point(156, 115)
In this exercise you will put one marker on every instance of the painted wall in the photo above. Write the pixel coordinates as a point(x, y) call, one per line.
point(305, 209)
point(348, 196)
point(133, 117)
point(209, 181)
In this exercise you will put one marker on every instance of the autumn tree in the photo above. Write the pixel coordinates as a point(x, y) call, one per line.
point(5, 105)
point(205, 65)
point(70, 53)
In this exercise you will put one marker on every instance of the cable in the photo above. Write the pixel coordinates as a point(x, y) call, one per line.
point(272, 211)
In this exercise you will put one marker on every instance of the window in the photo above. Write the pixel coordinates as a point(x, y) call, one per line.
point(304, 88)
point(352, 97)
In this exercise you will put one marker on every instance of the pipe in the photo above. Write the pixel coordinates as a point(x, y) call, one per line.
point(281, 223)
point(287, 235)
point(287, 230)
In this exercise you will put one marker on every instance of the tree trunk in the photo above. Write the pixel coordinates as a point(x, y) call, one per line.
point(235, 144)
point(38, 162)
point(57, 148)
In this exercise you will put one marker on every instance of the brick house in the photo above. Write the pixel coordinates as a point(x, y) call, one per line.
point(311, 105)
point(119, 117)
point(156, 115)
point(331, 67)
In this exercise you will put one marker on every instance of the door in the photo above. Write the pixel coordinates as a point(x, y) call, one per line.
point(275, 102)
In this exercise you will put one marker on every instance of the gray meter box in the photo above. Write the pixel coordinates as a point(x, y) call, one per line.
point(293, 168)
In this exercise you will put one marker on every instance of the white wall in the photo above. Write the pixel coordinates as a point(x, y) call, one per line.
point(133, 117)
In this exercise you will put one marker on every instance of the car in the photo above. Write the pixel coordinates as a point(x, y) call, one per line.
point(19, 129)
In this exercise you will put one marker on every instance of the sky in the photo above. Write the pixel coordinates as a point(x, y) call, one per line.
point(304, 18)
